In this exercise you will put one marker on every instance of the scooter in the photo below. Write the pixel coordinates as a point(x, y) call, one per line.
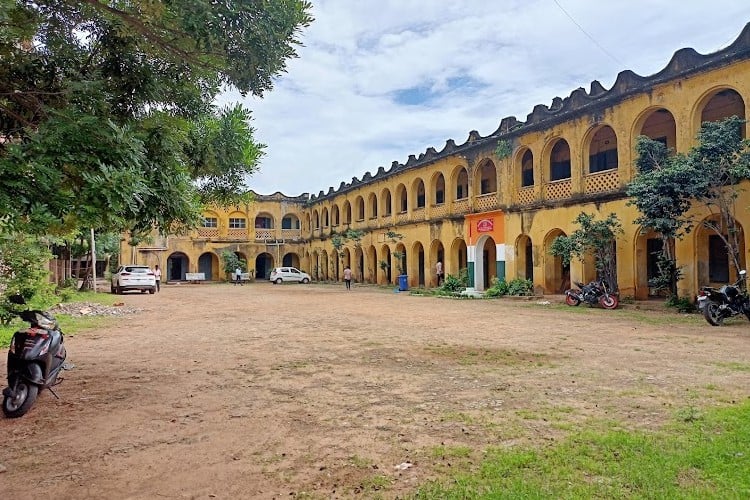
point(35, 358)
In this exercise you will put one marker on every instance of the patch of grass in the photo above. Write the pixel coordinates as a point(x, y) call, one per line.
point(70, 325)
point(734, 366)
point(701, 458)
point(451, 452)
point(360, 462)
point(453, 416)
point(378, 482)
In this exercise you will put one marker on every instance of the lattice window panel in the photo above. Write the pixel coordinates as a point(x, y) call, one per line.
point(208, 232)
point(558, 190)
point(291, 234)
point(404, 217)
point(417, 214)
point(526, 195)
point(237, 233)
point(601, 182)
point(461, 206)
point(263, 234)
point(438, 211)
point(487, 202)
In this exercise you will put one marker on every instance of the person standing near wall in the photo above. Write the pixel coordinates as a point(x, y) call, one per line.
point(348, 277)
point(157, 275)
point(439, 272)
point(238, 276)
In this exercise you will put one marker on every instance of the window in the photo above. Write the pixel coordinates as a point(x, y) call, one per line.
point(718, 260)
point(210, 222)
point(560, 170)
point(460, 192)
point(604, 160)
point(237, 223)
point(290, 223)
point(439, 197)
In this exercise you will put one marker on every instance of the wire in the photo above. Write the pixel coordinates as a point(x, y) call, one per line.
point(589, 36)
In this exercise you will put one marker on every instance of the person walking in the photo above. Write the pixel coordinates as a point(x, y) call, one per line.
point(157, 275)
point(348, 277)
point(238, 276)
point(439, 272)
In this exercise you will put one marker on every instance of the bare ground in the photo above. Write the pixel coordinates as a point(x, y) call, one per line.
point(294, 391)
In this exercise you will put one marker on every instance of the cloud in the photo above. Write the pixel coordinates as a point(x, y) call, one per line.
point(378, 81)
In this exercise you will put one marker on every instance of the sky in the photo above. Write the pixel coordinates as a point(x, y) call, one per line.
point(378, 80)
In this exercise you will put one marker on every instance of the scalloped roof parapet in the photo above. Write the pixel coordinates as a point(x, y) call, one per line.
point(684, 62)
point(279, 196)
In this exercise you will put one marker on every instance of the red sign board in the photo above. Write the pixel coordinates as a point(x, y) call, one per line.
point(485, 225)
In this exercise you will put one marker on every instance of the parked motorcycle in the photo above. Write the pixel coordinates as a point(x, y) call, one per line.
point(595, 292)
point(724, 302)
point(35, 358)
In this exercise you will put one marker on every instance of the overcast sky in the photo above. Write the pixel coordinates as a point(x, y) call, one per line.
point(378, 80)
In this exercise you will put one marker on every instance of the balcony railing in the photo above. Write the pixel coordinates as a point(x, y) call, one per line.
point(461, 206)
point(487, 202)
point(558, 190)
point(602, 182)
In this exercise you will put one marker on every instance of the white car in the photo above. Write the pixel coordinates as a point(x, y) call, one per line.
point(281, 274)
point(133, 277)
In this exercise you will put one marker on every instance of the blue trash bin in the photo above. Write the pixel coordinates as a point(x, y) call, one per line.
point(403, 282)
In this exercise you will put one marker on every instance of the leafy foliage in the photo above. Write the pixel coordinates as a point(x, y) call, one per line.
point(106, 114)
point(503, 149)
point(23, 271)
point(516, 287)
point(595, 237)
point(453, 284)
point(231, 262)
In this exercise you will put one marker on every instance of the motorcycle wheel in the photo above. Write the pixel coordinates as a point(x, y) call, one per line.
point(14, 407)
point(712, 314)
point(609, 301)
point(571, 300)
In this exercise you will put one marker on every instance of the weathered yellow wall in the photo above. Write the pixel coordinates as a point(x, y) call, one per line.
point(473, 180)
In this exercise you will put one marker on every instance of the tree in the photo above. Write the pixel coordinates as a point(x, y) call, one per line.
point(232, 262)
point(106, 114)
point(660, 190)
point(595, 237)
point(23, 271)
point(717, 165)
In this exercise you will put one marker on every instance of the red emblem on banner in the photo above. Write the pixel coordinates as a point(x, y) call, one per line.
point(485, 225)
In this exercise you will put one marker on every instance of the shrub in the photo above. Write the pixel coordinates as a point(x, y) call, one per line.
point(498, 288)
point(520, 286)
point(682, 304)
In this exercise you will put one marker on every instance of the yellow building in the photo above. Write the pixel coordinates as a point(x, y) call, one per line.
point(496, 216)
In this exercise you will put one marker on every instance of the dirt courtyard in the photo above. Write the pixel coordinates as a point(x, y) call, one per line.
point(309, 391)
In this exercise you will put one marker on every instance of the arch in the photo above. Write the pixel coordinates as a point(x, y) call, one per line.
point(420, 196)
point(335, 215)
point(400, 264)
point(486, 177)
point(346, 258)
point(291, 259)
point(524, 257)
point(347, 212)
point(460, 179)
point(315, 265)
point(556, 274)
point(526, 167)
point(359, 208)
point(647, 246)
point(402, 199)
point(264, 220)
point(290, 221)
point(384, 264)
point(208, 264)
point(316, 220)
point(485, 266)
point(323, 265)
point(437, 188)
point(308, 222)
point(324, 216)
point(658, 124)
point(372, 264)
point(437, 254)
point(458, 259)
point(372, 203)
point(602, 149)
point(177, 265)
point(386, 203)
point(263, 264)
point(559, 160)
point(715, 267)
point(718, 104)
point(358, 266)
point(416, 266)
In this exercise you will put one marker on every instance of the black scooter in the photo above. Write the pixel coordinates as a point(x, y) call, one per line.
point(35, 359)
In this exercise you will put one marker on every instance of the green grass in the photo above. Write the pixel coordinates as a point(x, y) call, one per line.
point(69, 324)
point(701, 455)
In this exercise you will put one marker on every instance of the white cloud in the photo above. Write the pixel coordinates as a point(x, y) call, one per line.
point(334, 115)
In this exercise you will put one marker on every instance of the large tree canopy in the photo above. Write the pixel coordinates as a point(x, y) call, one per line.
point(106, 114)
